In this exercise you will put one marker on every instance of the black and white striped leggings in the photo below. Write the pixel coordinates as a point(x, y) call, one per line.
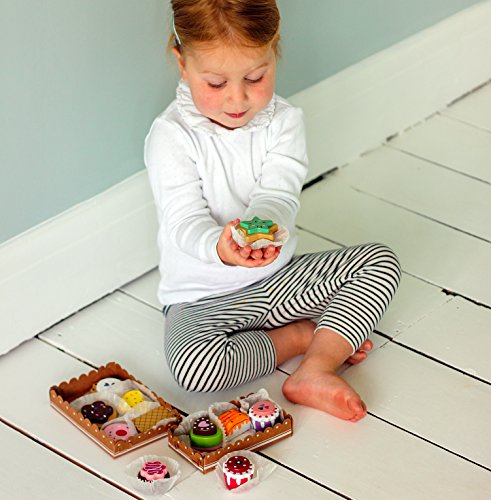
point(220, 342)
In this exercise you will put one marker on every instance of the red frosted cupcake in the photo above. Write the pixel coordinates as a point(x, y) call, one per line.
point(237, 470)
point(152, 471)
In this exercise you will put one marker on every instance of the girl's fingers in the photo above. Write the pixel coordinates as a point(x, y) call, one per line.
point(245, 252)
point(269, 252)
point(228, 228)
point(257, 254)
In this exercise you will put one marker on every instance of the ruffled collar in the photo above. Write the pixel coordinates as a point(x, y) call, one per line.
point(196, 120)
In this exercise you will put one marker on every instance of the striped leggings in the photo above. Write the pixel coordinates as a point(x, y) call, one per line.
point(220, 342)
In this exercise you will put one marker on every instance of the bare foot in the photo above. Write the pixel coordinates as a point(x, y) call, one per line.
point(361, 353)
point(326, 391)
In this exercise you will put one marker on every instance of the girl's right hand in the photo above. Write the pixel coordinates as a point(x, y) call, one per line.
point(232, 254)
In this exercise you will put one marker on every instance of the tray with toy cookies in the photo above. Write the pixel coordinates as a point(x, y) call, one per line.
point(249, 423)
point(117, 411)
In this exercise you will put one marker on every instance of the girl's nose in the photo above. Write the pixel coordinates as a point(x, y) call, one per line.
point(237, 95)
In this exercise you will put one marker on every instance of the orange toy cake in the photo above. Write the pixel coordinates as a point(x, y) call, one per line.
point(233, 420)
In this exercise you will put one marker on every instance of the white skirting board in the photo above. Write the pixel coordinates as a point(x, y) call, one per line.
point(68, 262)
point(64, 264)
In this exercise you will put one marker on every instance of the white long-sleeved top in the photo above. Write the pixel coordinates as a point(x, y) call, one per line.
point(203, 176)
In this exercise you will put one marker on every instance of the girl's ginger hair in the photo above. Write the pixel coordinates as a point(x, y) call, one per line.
point(239, 23)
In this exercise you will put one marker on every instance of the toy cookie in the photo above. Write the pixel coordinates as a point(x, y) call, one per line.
point(237, 470)
point(150, 419)
point(264, 414)
point(257, 229)
point(133, 397)
point(205, 436)
point(98, 412)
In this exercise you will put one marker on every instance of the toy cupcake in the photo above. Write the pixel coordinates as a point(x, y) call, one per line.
point(237, 470)
point(264, 414)
point(153, 471)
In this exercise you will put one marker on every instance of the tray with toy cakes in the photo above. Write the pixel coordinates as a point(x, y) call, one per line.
point(117, 411)
point(249, 423)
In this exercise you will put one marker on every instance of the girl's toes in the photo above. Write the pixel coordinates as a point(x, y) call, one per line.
point(356, 358)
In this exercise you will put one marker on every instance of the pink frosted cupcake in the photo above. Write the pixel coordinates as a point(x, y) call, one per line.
point(237, 470)
point(264, 414)
point(153, 471)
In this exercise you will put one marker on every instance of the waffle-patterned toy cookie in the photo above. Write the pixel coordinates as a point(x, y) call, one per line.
point(148, 420)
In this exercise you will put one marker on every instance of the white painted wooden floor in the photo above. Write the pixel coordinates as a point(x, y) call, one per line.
point(426, 193)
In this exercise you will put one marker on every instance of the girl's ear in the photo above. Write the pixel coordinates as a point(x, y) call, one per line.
point(180, 63)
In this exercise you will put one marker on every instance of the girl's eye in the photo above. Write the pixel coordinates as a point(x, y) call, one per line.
point(216, 85)
point(257, 80)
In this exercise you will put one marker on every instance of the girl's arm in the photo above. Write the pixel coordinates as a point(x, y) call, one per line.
point(183, 213)
point(276, 193)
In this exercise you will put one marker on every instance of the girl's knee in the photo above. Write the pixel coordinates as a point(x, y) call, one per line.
point(385, 258)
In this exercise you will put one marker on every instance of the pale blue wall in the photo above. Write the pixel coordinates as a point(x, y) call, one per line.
point(322, 37)
point(81, 81)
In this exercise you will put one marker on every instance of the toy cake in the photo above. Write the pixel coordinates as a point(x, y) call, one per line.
point(237, 470)
point(264, 414)
point(234, 421)
point(205, 436)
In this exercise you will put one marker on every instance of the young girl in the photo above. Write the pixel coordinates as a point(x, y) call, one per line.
point(226, 149)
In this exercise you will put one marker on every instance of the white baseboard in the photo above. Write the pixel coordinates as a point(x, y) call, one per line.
point(358, 108)
point(66, 263)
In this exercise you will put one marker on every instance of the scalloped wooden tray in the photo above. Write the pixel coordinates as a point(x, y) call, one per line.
point(206, 462)
point(63, 394)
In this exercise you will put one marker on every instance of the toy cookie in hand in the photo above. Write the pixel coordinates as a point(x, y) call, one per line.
point(257, 229)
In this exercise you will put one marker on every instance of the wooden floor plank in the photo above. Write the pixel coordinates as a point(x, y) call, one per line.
point(122, 327)
point(450, 143)
point(458, 333)
point(431, 400)
point(425, 188)
point(282, 483)
point(435, 253)
point(474, 109)
point(372, 460)
point(29, 470)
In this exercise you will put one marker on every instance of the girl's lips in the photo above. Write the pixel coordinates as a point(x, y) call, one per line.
point(236, 115)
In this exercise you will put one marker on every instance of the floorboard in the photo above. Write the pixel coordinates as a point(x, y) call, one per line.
point(424, 188)
point(37, 472)
point(450, 144)
point(473, 109)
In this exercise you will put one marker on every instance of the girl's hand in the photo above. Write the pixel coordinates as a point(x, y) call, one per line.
point(232, 254)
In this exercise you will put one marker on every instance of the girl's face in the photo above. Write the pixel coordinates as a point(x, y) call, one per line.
point(229, 86)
